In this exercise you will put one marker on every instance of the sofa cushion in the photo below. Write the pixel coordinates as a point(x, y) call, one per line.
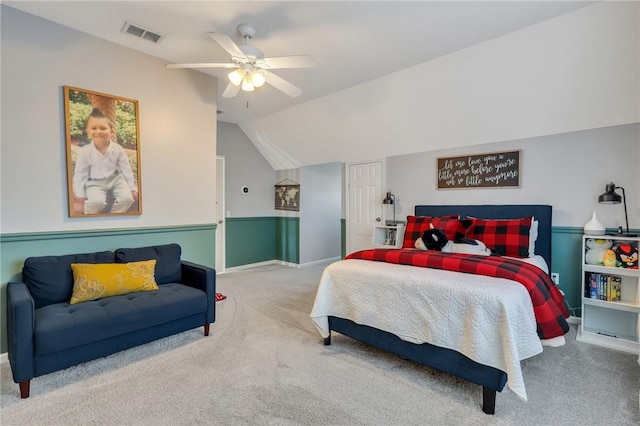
point(62, 326)
point(50, 279)
point(93, 281)
point(168, 267)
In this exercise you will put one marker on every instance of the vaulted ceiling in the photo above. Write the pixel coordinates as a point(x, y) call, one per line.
point(352, 42)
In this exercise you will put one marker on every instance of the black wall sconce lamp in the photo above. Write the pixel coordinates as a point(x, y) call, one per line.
point(610, 196)
point(390, 199)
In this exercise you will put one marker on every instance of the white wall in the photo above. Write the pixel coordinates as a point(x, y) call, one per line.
point(568, 171)
point(177, 117)
point(320, 212)
point(245, 166)
point(573, 72)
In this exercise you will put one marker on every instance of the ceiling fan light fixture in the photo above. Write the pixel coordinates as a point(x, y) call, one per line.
point(247, 85)
point(250, 68)
point(236, 77)
point(257, 79)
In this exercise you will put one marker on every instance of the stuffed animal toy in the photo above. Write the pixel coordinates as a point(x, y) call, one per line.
point(596, 249)
point(627, 255)
point(419, 244)
point(435, 239)
point(610, 259)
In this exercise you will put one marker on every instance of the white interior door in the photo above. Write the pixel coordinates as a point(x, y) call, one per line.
point(364, 204)
point(220, 216)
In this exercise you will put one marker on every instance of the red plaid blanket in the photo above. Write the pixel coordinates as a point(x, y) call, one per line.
point(548, 302)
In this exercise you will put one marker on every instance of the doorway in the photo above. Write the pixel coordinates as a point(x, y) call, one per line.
point(220, 216)
point(364, 203)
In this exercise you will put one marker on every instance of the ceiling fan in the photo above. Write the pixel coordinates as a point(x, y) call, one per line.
point(252, 68)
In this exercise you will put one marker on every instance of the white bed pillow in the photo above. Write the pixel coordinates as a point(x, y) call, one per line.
point(533, 236)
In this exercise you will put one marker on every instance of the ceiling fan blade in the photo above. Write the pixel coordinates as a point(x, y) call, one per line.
point(282, 84)
point(231, 91)
point(204, 65)
point(227, 44)
point(297, 61)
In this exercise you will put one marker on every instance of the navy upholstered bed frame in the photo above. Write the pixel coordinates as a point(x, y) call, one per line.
point(541, 213)
point(491, 379)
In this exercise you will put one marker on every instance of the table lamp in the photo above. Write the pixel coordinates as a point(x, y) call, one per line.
point(610, 196)
point(391, 199)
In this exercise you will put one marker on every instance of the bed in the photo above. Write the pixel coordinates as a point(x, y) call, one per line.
point(378, 302)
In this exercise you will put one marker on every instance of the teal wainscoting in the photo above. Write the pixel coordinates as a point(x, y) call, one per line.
point(288, 239)
point(250, 240)
point(197, 242)
point(566, 259)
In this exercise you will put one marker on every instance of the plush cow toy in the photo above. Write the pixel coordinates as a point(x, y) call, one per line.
point(435, 239)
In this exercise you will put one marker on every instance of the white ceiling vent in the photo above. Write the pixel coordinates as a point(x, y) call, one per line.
point(141, 32)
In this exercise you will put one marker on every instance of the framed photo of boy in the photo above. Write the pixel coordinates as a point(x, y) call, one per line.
point(103, 154)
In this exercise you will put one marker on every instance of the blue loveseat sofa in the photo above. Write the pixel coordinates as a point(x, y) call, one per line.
point(46, 333)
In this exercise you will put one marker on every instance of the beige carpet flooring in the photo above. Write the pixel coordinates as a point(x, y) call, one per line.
point(264, 364)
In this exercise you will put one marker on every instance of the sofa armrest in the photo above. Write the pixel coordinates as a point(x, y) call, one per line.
point(20, 331)
point(203, 278)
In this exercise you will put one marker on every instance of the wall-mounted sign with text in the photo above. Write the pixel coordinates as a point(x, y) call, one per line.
point(491, 170)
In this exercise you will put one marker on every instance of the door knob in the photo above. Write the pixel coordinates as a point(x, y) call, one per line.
point(219, 221)
point(378, 219)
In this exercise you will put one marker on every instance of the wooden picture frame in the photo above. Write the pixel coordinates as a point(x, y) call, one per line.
point(287, 197)
point(103, 154)
point(487, 170)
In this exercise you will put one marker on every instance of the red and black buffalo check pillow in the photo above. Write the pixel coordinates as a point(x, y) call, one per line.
point(508, 237)
point(453, 228)
point(417, 225)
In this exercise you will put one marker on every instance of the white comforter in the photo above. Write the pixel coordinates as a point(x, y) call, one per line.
point(490, 320)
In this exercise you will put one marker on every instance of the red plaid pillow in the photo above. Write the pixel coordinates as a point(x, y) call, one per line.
point(508, 237)
point(452, 227)
point(417, 225)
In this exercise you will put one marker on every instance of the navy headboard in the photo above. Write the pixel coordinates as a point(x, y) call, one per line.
point(541, 213)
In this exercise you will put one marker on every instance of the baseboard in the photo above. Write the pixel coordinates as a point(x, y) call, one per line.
point(279, 262)
point(289, 264)
point(318, 262)
point(252, 265)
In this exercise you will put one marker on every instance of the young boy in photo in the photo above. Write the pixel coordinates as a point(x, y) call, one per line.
point(102, 168)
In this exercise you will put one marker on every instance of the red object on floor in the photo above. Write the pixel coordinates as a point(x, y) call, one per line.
point(220, 296)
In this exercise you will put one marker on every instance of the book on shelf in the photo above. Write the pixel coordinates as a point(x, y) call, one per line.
point(616, 284)
point(391, 237)
point(602, 286)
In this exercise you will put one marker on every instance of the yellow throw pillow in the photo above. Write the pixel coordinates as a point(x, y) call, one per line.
point(93, 281)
